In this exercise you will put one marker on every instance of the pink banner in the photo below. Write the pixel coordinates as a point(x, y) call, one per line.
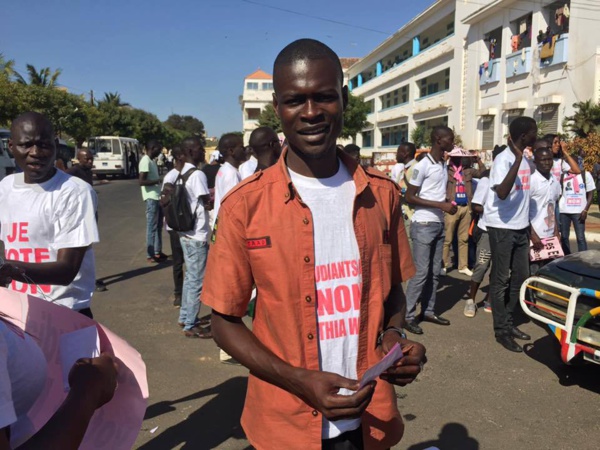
point(116, 425)
point(552, 250)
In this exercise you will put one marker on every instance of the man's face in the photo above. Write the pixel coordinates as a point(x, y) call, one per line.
point(401, 154)
point(530, 137)
point(555, 145)
point(447, 142)
point(238, 151)
point(310, 101)
point(543, 161)
point(86, 159)
point(197, 154)
point(34, 147)
point(155, 151)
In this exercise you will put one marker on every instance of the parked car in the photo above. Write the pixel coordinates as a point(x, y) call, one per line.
point(565, 295)
point(112, 155)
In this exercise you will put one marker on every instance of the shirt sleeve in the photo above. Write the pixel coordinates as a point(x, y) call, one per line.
point(418, 174)
point(75, 220)
point(499, 170)
point(481, 192)
point(589, 182)
point(201, 185)
point(228, 282)
point(8, 415)
point(144, 164)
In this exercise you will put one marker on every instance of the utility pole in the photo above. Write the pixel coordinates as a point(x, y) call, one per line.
point(92, 97)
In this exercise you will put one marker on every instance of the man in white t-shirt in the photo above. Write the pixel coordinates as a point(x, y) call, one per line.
point(48, 222)
point(397, 173)
point(545, 192)
point(149, 180)
point(574, 204)
point(231, 146)
point(507, 219)
point(427, 193)
point(248, 167)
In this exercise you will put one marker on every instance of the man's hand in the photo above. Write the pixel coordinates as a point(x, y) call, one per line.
point(320, 390)
point(406, 369)
point(8, 272)
point(94, 378)
point(583, 216)
point(536, 242)
point(449, 207)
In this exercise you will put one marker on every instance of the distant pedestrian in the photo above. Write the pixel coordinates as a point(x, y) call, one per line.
point(265, 144)
point(231, 146)
point(427, 193)
point(354, 151)
point(248, 167)
point(149, 180)
point(133, 165)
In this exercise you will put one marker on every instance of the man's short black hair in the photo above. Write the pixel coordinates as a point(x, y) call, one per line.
point(352, 149)
point(521, 125)
point(191, 141)
point(306, 49)
point(177, 151)
point(153, 143)
point(497, 150)
point(228, 140)
point(440, 130)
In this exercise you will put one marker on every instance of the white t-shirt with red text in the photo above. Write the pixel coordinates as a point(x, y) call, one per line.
point(513, 212)
point(338, 277)
point(37, 220)
point(574, 193)
point(559, 166)
point(544, 195)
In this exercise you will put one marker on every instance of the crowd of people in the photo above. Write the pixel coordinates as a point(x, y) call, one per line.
point(311, 244)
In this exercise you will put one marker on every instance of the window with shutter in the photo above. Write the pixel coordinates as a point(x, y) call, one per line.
point(549, 118)
point(487, 138)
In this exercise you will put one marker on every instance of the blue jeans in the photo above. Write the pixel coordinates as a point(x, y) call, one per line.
point(565, 231)
point(154, 220)
point(195, 254)
point(427, 244)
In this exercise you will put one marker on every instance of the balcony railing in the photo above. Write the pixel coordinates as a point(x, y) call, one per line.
point(491, 73)
point(561, 52)
point(518, 63)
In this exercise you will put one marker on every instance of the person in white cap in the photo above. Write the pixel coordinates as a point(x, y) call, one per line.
point(460, 190)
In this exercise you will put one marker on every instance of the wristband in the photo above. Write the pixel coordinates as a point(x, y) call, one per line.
point(400, 331)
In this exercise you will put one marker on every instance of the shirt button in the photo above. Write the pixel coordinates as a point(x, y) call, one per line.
point(287, 194)
point(310, 336)
point(315, 412)
point(307, 298)
point(306, 259)
point(305, 221)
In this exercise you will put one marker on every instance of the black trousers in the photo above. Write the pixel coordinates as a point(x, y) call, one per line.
point(510, 268)
point(177, 262)
point(86, 312)
point(350, 440)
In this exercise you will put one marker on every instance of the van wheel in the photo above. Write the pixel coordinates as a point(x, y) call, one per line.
point(101, 176)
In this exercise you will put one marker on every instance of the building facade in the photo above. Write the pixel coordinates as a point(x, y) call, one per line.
point(474, 65)
point(258, 93)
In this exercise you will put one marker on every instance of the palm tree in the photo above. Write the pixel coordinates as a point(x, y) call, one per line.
point(113, 98)
point(7, 66)
point(44, 77)
point(586, 119)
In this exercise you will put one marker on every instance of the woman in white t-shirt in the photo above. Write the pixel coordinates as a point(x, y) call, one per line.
point(22, 379)
point(576, 199)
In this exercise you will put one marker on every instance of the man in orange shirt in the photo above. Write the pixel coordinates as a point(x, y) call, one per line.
point(323, 240)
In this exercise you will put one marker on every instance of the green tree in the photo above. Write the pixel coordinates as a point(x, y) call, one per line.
point(7, 67)
point(586, 119)
point(44, 77)
point(113, 98)
point(421, 136)
point(268, 118)
point(188, 125)
point(355, 117)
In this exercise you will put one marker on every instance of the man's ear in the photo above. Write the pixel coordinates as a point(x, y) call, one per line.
point(345, 96)
point(275, 105)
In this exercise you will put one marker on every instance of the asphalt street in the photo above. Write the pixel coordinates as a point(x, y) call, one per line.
point(473, 394)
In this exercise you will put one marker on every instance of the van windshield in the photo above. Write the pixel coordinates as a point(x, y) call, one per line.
point(104, 146)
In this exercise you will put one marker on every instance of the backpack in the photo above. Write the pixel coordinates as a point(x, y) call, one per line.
point(176, 208)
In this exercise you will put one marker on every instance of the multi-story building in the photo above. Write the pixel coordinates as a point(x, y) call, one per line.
point(533, 58)
point(455, 64)
point(258, 93)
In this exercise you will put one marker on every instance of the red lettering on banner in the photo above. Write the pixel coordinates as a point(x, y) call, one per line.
point(18, 232)
point(339, 300)
point(337, 270)
point(333, 329)
point(354, 325)
point(325, 302)
point(28, 255)
point(343, 302)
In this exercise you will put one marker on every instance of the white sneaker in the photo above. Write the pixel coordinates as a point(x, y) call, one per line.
point(466, 271)
point(443, 272)
point(470, 308)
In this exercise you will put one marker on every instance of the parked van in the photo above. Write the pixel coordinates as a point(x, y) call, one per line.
point(65, 153)
point(7, 162)
point(113, 155)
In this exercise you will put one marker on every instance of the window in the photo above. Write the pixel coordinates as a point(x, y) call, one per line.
point(253, 113)
point(367, 138)
point(521, 33)
point(447, 79)
point(487, 136)
point(116, 146)
point(431, 85)
point(393, 136)
point(267, 86)
point(394, 98)
point(252, 86)
point(371, 104)
point(493, 41)
point(549, 118)
point(556, 18)
point(512, 114)
point(450, 28)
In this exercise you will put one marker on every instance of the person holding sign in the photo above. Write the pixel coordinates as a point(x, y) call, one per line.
point(323, 240)
point(545, 192)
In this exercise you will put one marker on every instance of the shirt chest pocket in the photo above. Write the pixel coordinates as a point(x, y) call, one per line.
point(385, 269)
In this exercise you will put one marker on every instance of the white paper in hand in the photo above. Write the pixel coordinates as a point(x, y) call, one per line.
point(388, 361)
point(83, 343)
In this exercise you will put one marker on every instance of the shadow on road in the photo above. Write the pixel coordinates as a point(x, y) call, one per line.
point(546, 350)
point(123, 276)
point(210, 426)
point(453, 436)
point(450, 291)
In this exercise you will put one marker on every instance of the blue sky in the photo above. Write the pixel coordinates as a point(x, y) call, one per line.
point(185, 56)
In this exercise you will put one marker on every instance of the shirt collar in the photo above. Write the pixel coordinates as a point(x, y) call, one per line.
point(358, 174)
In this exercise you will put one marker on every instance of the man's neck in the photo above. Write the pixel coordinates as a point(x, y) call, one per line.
point(436, 153)
point(324, 167)
point(545, 175)
point(179, 165)
point(233, 162)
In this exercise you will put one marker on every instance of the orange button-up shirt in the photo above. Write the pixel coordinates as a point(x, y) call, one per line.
point(264, 236)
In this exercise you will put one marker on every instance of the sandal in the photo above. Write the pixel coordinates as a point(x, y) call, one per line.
point(197, 332)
